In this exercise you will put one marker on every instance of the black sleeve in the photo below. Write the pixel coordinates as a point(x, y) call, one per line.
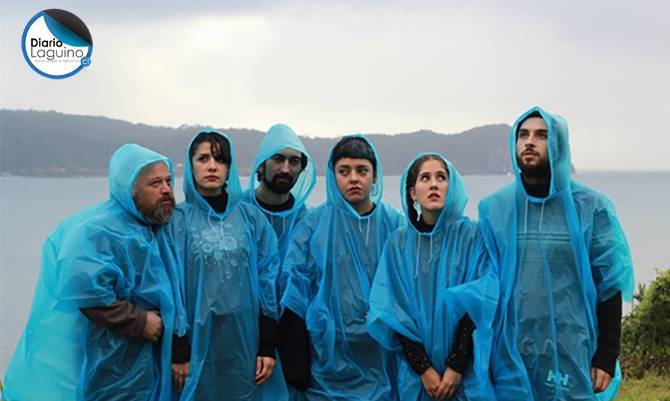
point(415, 354)
point(462, 346)
point(121, 317)
point(269, 333)
point(181, 349)
point(609, 334)
point(295, 350)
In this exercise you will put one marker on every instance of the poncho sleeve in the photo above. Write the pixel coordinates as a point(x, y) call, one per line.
point(300, 268)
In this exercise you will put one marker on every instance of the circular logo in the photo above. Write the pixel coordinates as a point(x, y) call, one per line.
point(57, 44)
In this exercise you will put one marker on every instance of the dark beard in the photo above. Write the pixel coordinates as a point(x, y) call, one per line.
point(280, 188)
point(156, 215)
point(540, 171)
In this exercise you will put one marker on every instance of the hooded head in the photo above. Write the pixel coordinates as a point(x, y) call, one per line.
point(558, 149)
point(456, 197)
point(232, 183)
point(280, 138)
point(357, 148)
point(125, 167)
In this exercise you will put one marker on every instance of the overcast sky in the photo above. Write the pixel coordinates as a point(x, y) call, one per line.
point(328, 68)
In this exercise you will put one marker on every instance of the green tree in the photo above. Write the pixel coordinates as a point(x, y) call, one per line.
point(645, 344)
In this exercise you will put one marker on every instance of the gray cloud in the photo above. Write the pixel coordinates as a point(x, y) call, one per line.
point(332, 68)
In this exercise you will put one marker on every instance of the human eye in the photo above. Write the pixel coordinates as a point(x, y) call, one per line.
point(343, 171)
point(203, 158)
point(294, 161)
point(523, 134)
point(278, 158)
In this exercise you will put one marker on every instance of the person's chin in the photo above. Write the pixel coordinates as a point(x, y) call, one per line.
point(357, 198)
point(434, 206)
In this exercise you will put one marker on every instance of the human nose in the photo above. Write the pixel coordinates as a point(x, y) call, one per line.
point(529, 141)
point(353, 177)
point(211, 165)
point(433, 183)
point(165, 187)
point(284, 167)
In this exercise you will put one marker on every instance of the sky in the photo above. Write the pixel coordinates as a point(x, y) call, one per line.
point(328, 68)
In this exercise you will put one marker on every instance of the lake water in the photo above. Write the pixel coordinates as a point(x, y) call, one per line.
point(30, 208)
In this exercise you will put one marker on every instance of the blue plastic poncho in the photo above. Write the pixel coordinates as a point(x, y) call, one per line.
point(228, 266)
point(425, 283)
point(278, 137)
point(331, 261)
point(102, 254)
point(558, 256)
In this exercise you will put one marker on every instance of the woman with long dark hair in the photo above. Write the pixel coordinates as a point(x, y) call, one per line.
point(432, 299)
point(228, 262)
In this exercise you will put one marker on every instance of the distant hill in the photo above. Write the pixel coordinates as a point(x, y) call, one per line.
point(48, 143)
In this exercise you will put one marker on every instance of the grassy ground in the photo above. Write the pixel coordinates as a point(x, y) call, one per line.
point(650, 388)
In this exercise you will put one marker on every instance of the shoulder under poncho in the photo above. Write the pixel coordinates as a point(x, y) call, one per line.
point(425, 283)
point(102, 254)
point(331, 261)
point(558, 256)
point(227, 266)
point(278, 137)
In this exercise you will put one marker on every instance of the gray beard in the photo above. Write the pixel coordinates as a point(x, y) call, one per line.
point(156, 216)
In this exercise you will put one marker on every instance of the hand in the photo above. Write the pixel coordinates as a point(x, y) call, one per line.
point(264, 367)
point(179, 373)
point(600, 379)
point(449, 384)
point(153, 328)
point(431, 381)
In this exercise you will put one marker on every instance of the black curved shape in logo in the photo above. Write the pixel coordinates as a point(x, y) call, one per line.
point(71, 22)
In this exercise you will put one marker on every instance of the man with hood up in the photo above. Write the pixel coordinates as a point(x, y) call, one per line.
point(104, 296)
point(563, 264)
point(285, 176)
point(331, 260)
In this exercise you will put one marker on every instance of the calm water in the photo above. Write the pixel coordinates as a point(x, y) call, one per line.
point(31, 207)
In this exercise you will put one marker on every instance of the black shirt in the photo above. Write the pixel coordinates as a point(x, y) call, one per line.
point(277, 208)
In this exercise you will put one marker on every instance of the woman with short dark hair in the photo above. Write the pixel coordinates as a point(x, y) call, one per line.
point(330, 262)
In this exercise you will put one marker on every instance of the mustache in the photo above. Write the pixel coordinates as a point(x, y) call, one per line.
point(169, 197)
point(285, 176)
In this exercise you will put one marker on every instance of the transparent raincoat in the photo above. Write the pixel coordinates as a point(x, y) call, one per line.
point(425, 283)
point(100, 255)
point(227, 264)
point(278, 137)
point(558, 257)
point(331, 261)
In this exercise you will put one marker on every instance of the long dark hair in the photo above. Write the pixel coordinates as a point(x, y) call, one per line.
point(410, 181)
